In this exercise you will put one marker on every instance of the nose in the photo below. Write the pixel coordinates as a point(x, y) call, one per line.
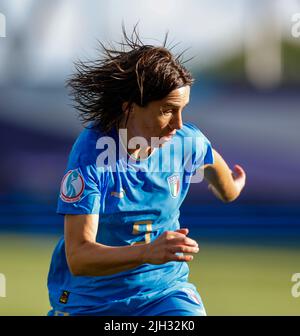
point(176, 122)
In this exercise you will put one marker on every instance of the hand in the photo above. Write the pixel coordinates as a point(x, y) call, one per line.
point(164, 248)
point(239, 179)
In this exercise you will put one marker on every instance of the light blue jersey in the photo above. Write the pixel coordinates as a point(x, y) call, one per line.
point(136, 201)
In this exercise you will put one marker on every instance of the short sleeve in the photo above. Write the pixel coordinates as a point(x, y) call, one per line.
point(80, 188)
point(205, 155)
point(202, 153)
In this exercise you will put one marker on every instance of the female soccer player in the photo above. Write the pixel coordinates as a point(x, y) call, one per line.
point(123, 251)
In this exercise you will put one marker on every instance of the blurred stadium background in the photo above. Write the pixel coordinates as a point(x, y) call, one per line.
point(245, 99)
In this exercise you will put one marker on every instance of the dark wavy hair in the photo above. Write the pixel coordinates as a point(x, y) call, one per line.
point(133, 73)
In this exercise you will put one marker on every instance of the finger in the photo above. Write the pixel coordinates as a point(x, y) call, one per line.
point(181, 258)
point(238, 170)
point(240, 177)
point(176, 234)
point(183, 241)
point(184, 249)
point(184, 231)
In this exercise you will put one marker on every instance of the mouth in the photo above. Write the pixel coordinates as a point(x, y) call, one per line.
point(170, 135)
point(167, 137)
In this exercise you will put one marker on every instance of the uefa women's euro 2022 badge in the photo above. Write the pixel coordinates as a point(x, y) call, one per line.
point(174, 185)
point(72, 186)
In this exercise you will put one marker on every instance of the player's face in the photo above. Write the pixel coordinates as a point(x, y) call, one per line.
point(160, 118)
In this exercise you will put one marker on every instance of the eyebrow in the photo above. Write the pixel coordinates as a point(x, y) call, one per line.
point(175, 105)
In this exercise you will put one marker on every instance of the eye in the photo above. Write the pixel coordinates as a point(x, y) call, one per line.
point(167, 112)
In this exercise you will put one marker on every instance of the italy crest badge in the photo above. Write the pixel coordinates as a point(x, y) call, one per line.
point(174, 185)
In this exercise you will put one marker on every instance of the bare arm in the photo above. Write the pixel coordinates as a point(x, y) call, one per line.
point(87, 257)
point(225, 184)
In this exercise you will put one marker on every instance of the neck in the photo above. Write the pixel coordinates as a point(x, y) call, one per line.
point(137, 153)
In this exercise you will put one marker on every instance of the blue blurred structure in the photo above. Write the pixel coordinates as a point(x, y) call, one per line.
point(239, 126)
point(250, 111)
point(23, 214)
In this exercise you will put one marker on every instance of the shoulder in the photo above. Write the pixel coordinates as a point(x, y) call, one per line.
point(190, 130)
point(85, 147)
point(198, 143)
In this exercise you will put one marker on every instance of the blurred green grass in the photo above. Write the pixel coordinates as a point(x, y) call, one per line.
point(233, 279)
